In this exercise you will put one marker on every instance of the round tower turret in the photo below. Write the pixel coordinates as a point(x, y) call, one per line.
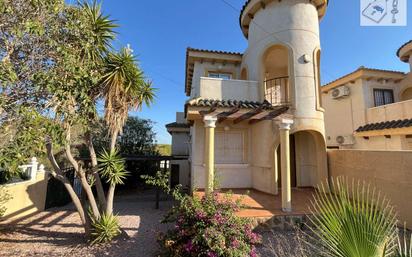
point(283, 54)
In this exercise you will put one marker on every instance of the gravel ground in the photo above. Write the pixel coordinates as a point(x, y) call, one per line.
point(57, 232)
point(281, 244)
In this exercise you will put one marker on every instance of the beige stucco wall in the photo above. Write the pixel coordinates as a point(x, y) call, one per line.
point(295, 25)
point(396, 111)
point(28, 197)
point(220, 89)
point(238, 175)
point(389, 171)
point(202, 70)
point(345, 115)
point(265, 138)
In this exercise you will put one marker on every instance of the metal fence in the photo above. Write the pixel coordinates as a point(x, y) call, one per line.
point(277, 90)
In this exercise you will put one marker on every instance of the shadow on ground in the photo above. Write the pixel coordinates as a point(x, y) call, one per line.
point(57, 232)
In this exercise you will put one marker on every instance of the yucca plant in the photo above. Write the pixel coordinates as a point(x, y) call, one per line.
point(112, 168)
point(404, 246)
point(105, 229)
point(352, 220)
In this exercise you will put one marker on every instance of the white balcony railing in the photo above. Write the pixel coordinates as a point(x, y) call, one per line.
point(220, 89)
point(396, 111)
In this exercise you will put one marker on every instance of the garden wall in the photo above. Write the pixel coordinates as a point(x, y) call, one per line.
point(388, 171)
point(28, 197)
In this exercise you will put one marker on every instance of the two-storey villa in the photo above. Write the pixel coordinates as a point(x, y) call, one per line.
point(255, 118)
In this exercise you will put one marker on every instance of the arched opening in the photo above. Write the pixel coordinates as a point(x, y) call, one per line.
point(317, 60)
point(406, 94)
point(276, 74)
point(243, 74)
point(310, 158)
point(308, 163)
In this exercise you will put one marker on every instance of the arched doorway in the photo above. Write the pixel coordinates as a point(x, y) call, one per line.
point(308, 163)
point(310, 158)
point(276, 74)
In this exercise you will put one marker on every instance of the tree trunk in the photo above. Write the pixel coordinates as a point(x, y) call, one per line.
point(80, 172)
point(114, 139)
point(99, 186)
point(88, 190)
point(59, 175)
point(110, 198)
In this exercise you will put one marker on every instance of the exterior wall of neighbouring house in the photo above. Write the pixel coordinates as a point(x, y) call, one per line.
point(388, 171)
point(29, 197)
point(345, 115)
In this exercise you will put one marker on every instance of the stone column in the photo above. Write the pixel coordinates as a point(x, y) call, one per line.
point(210, 125)
point(284, 127)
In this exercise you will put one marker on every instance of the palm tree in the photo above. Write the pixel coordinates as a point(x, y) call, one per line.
point(353, 220)
point(124, 88)
point(103, 35)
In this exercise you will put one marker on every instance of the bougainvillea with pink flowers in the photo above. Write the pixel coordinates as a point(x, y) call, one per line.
point(208, 227)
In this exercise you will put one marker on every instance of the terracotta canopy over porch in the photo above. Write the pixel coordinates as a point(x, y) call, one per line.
point(235, 110)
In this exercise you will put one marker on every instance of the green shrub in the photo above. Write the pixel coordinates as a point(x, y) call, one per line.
point(404, 245)
point(352, 221)
point(105, 229)
point(208, 227)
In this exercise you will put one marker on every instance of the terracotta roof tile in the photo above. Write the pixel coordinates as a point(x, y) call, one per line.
point(177, 125)
point(400, 48)
point(211, 51)
point(231, 103)
point(362, 68)
point(386, 125)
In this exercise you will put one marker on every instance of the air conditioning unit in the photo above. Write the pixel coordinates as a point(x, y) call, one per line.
point(340, 92)
point(345, 140)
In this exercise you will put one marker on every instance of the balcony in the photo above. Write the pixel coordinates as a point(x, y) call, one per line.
point(277, 90)
point(396, 111)
point(220, 89)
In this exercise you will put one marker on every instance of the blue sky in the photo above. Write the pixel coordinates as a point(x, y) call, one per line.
point(160, 32)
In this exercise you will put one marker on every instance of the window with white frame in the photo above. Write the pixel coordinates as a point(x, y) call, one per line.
point(219, 75)
point(229, 147)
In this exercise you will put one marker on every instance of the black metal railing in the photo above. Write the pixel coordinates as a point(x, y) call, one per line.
point(277, 90)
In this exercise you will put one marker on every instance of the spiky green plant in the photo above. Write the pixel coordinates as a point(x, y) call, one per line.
point(352, 220)
point(105, 229)
point(404, 246)
point(112, 167)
